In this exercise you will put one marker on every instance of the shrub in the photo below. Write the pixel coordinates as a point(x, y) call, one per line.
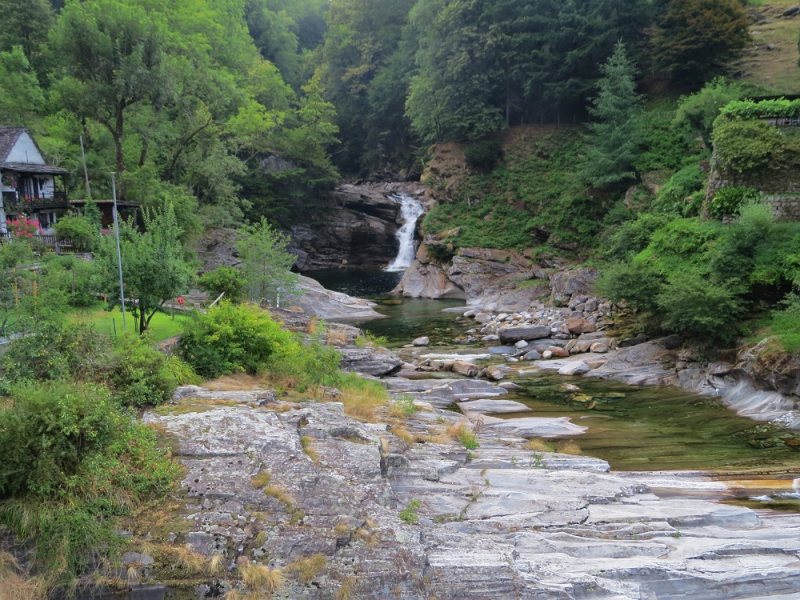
point(697, 307)
point(729, 200)
point(141, 375)
point(636, 283)
point(748, 145)
point(80, 230)
point(224, 279)
point(672, 197)
point(634, 236)
point(231, 338)
point(483, 154)
point(54, 352)
point(72, 461)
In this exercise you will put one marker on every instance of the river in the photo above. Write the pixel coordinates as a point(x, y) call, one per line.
point(633, 428)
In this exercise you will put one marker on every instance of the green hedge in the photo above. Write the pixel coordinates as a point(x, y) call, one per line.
point(765, 109)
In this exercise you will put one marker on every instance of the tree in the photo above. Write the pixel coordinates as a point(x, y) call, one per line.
point(25, 25)
point(266, 263)
point(700, 110)
point(696, 39)
point(20, 94)
point(112, 55)
point(614, 138)
point(154, 267)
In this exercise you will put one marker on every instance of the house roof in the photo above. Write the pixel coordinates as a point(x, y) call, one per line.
point(8, 138)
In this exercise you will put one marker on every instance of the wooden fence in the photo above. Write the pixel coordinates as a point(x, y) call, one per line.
point(51, 242)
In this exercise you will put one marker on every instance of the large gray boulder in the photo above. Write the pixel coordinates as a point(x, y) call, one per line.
point(370, 361)
point(523, 332)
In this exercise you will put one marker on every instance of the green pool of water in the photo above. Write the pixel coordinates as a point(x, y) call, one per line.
point(633, 428)
point(655, 428)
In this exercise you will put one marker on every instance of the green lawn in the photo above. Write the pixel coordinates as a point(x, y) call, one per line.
point(162, 326)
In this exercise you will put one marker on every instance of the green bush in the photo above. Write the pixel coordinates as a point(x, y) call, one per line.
point(697, 307)
point(765, 109)
point(728, 200)
point(232, 338)
point(483, 154)
point(141, 375)
point(80, 230)
point(72, 460)
point(138, 374)
point(633, 236)
point(224, 279)
point(672, 197)
point(51, 351)
point(743, 146)
point(635, 282)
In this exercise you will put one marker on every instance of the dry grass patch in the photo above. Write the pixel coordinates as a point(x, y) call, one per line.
point(239, 382)
point(261, 480)
point(216, 565)
point(15, 584)
point(308, 567)
point(348, 589)
point(539, 445)
point(403, 433)
point(280, 494)
point(306, 441)
point(568, 447)
point(260, 578)
point(361, 404)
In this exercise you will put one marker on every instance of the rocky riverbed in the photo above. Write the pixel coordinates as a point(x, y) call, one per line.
point(402, 509)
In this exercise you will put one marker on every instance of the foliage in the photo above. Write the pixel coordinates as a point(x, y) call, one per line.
point(700, 110)
point(728, 200)
point(233, 338)
point(483, 154)
point(534, 197)
point(762, 109)
point(614, 136)
point(266, 263)
point(79, 229)
point(673, 195)
point(635, 283)
point(697, 307)
point(409, 514)
point(224, 279)
point(154, 267)
point(72, 462)
point(749, 145)
point(141, 375)
point(20, 94)
point(695, 39)
point(137, 374)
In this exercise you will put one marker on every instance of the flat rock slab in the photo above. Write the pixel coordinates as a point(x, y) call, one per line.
point(491, 407)
point(546, 427)
point(526, 332)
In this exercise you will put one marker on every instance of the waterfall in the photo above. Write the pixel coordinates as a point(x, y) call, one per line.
point(411, 210)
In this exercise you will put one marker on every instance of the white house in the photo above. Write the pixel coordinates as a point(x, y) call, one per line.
point(28, 185)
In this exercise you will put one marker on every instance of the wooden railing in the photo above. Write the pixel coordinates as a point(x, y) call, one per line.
point(51, 242)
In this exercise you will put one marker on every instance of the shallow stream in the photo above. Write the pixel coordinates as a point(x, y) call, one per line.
point(633, 428)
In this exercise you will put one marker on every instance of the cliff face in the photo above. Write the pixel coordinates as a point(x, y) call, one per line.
point(358, 229)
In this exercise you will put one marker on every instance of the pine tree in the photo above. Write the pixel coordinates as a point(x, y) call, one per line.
point(614, 137)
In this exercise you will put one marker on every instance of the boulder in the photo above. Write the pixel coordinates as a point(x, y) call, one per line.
point(532, 355)
point(521, 344)
point(578, 326)
point(370, 361)
point(496, 372)
point(574, 368)
point(421, 341)
point(482, 318)
point(465, 368)
point(427, 281)
point(490, 407)
point(547, 354)
point(572, 282)
point(671, 342)
point(523, 332)
point(634, 341)
point(599, 348)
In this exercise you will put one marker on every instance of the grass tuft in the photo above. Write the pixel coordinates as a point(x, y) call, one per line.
point(308, 567)
point(347, 590)
point(540, 445)
point(260, 578)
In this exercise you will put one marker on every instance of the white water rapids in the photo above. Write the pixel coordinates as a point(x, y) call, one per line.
point(411, 210)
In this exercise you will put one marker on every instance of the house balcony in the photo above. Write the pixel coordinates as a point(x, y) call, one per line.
point(14, 205)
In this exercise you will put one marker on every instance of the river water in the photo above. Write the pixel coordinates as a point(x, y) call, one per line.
point(633, 428)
